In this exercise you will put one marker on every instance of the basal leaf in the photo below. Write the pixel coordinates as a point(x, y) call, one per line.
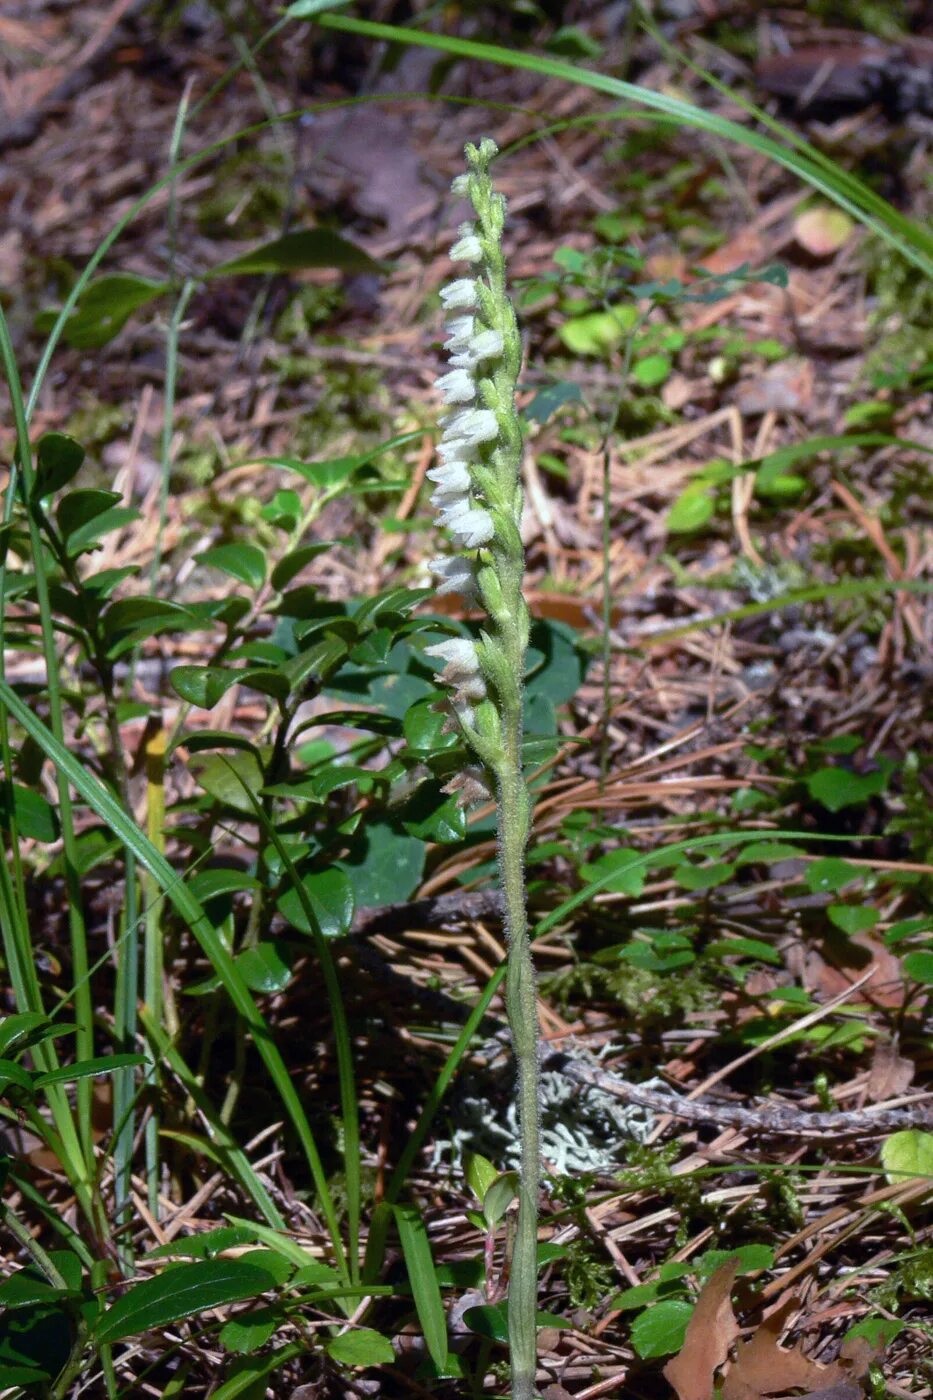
point(180, 1292)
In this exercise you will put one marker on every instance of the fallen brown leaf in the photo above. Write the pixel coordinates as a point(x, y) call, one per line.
point(762, 1367)
point(710, 1333)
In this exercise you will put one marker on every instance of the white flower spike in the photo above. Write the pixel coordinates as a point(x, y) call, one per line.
point(462, 293)
point(456, 575)
point(468, 247)
point(457, 387)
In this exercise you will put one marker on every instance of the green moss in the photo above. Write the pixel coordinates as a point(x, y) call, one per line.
point(253, 186)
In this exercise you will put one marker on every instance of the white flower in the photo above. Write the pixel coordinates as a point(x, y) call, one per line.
point(468, 247)
point(471, 785)
point(462, 329)
point(456, 575)
point(452, 476)
point(455, 452)
point(460, 185)
point(462, 670)
point(486, 344)
point(471, 425)
point(457, 387)
point(463, 293)
point(473, 528)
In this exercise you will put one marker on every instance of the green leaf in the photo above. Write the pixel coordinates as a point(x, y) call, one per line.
point(837, 788)
point(265, 968)
point(692, 510)
point(331, 898)
point(704, 877)
point(598, 332)
point(180, 1292)
point(853, 918)
point(78, 507)
point(203, 686)
point(313, 247)
point(829, 875)
point(292, 563)
point(499, 1197)
point(432, 815)
point(229, 777)
point(58, 459)
point(283, 511)
point(87, 1069)
point(424, 1286)
point(423, 726)
point(919, 966)
point(20, 1026)
point(246, 1377)
point(307, 9)
point(651, 371)
point(553, 397)
point(12, 1073)
point(661, 1329)
point(105, 307)
point(480, 1174)
point(627, 867)
point(250, 1331)
point(35, 1343)
point(385, 864)
point(491, 1320)
point(245, 562)
point(135, 612)
point(745, 948)
point(361, 1347)
point(36, 818)
point(908, 1154)
point(26, 1287)
point(752, 1259)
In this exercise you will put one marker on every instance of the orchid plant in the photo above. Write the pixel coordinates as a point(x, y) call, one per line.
point(478, 498)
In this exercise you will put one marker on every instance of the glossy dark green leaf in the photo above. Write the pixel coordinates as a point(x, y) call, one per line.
point(385, 864)
point(203, 686)
point(549, 400)
point(853, 918)
point(78, 507)
point(273, 681)
point(491, 1320)
point(36, 818)
point(106, 306)
point(206, 1244)
point(35, 1342)
point(26, 1287)
point(58, 460)
point(249, 1331)
point(433, 815)
point(12, 1073)
point(20, 1027)
point(230, 778)
point(132, 612)
point(331, 899)
point(244, 562)
point(180, 1292)
point(313, 247)
point(424, 725)
point(87, 536)
point(361, 1347)
point(291, 564)
point(265, 968)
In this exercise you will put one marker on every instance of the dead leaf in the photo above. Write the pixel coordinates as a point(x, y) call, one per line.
point(761, 1367)
point(890, 1074)
point(783, 388)
point(710, 1333)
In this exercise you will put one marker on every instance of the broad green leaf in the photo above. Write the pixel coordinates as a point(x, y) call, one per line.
point(919, 966)
point(105, 307)
point(180, 1292)
point(229, 778)
point(25, 1287)
point(203, 686)
point(36, 818)
point(908, 1154)
point(746, 948)
point(432, 815)
point(136, 612)
point(35, 1342)
point(652, 370)
point(58, 460)
point(692, 510)
point(621, 871)
point(291, 564)
point(661, 1328)
point(204, 1245)
point(244, 562)
point(361, 1347)
point(547, 401)
point(830, 874)
point(265, 968)
point(837, 788)
point(78, 507)
point(385, 864)
point(424, 724)
point(704, 877)
point(480, 1174)
point(853, 918)
point(20, 1026)
point(491, 1320)
point(499, 1197)
point(752, 1259)
point(250, 1331)
point(247, 1377)
point(331, 898)
point(312, 247)
point(87, 536)
point(419, 1263)
point(598, 332)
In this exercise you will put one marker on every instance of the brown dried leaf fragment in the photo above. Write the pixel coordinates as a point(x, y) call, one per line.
point(761, 1367)
point(710, 1333)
